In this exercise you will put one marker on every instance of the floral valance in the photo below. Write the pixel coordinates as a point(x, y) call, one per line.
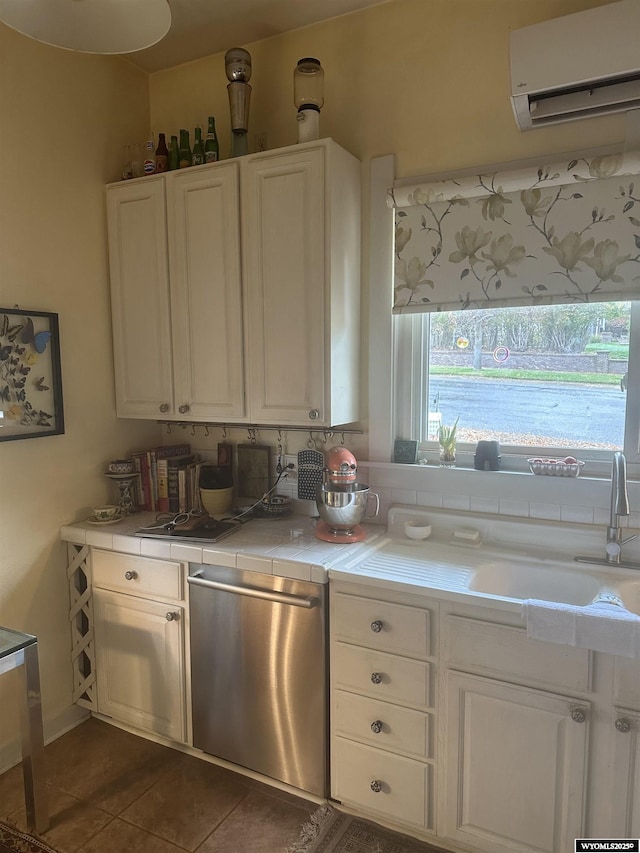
point(567, 232)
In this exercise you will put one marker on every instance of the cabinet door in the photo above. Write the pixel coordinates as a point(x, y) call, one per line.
point(206, 292)
point(140, 663)
point(140, 299)
point(515, 767)
point(284, 253)
point(626, 776)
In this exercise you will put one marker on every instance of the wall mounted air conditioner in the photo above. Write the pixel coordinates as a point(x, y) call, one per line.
point(577, 66)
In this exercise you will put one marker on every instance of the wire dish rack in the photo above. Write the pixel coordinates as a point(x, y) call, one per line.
point(555, 467)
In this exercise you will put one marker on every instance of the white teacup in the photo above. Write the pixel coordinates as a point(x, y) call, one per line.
point(106, 513)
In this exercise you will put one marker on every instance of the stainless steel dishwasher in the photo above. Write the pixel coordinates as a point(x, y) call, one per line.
point(259, 673)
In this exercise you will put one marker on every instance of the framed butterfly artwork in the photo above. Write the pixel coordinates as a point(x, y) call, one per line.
point(30, 375)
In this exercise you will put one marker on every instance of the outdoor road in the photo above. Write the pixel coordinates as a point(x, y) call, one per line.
point(566, 410)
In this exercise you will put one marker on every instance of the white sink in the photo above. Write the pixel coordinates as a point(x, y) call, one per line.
point(629, 592)
point(513, 579)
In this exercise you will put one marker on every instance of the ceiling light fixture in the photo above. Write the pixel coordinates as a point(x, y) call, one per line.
point(90, 26)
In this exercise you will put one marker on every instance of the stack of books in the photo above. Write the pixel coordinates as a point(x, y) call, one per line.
point(169, 478)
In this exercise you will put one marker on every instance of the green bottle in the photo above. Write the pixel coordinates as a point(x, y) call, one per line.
point(174, 154)
point(211, 147)
point(184, 151)
point(198, 148)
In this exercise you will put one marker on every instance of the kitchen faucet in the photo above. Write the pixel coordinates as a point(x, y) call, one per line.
point(619, 507)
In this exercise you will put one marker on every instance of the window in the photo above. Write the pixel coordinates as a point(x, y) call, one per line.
point(542, 380)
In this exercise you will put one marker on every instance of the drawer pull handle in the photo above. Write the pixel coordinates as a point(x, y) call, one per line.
point(376, 727)
point(184, 408)
point(623, 725)
point(376, 786)
point(172, 617)
point(376, 677)
point(578, 715)
point(376, 626)
point(131, 576)
point(164, 407)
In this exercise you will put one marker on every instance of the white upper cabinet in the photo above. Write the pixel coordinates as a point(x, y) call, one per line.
point(206, 299)
point(140, 299)
point(176, 295)
point(236, 290)
point(301, 237)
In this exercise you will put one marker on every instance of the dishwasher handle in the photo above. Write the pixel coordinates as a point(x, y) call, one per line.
point(253, 592)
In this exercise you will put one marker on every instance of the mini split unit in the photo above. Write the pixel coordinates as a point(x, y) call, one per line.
point(577, 66)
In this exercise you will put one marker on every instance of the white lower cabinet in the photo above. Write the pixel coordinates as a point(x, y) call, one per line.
point(140, 643)
point(383, 708)
point(515, 766)
point(449, 724)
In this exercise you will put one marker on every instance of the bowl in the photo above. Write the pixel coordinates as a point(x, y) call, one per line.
point(108, 512)
point(344, 506)
point(417, 530)
point(216, 501)
point(121, 466)
point(555, 467)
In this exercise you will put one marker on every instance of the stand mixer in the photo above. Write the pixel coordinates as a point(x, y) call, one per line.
point(341, 500)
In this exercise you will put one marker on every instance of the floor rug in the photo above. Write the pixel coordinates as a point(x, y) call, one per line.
point(14, 841)
point(331, 831)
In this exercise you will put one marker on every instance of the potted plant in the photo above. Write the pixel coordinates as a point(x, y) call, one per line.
point(447, 442)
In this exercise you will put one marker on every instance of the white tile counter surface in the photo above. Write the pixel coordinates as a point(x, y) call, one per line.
point(516, 560)
point(284, 547)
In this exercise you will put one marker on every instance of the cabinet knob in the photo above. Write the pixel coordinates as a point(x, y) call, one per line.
point(164, 408)
point(578, 715)
point(172, 617)
point(376, 626)
point(131, 576)
point(623, 725)
point(376, 677)
point(183, 409)
point(376, 786)
point(314, 414)
point(376, 727)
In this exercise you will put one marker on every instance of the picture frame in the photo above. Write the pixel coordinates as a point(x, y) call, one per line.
point(31, 403)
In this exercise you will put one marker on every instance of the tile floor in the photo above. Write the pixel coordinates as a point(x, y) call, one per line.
point(113, 792)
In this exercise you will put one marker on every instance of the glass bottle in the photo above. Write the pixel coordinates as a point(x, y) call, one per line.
point(174, 154)
point(185, 157)
point(162, 154)
point(149, 163)
point(198, 148)
point(211, 146)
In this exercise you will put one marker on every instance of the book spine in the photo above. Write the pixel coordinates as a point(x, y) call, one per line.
point(162, 470)
point(145, 480)
point(172, 490)
point(182, 490)
point(153, 477)
point(172, 450)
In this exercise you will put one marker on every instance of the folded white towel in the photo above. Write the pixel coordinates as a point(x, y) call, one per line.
point(601, 626)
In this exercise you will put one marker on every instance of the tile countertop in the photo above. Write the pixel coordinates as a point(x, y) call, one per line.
point(285, 547)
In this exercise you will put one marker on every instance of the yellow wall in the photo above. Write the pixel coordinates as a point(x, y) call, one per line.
point(64, 119)
point(426, 80)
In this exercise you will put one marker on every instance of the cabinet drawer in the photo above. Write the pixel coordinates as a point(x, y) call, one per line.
point(404, 783)
point(381, 675)
point(626, 685)
point(399, 628)
point(381, 724)
point(136, 575)
point(507, 653)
